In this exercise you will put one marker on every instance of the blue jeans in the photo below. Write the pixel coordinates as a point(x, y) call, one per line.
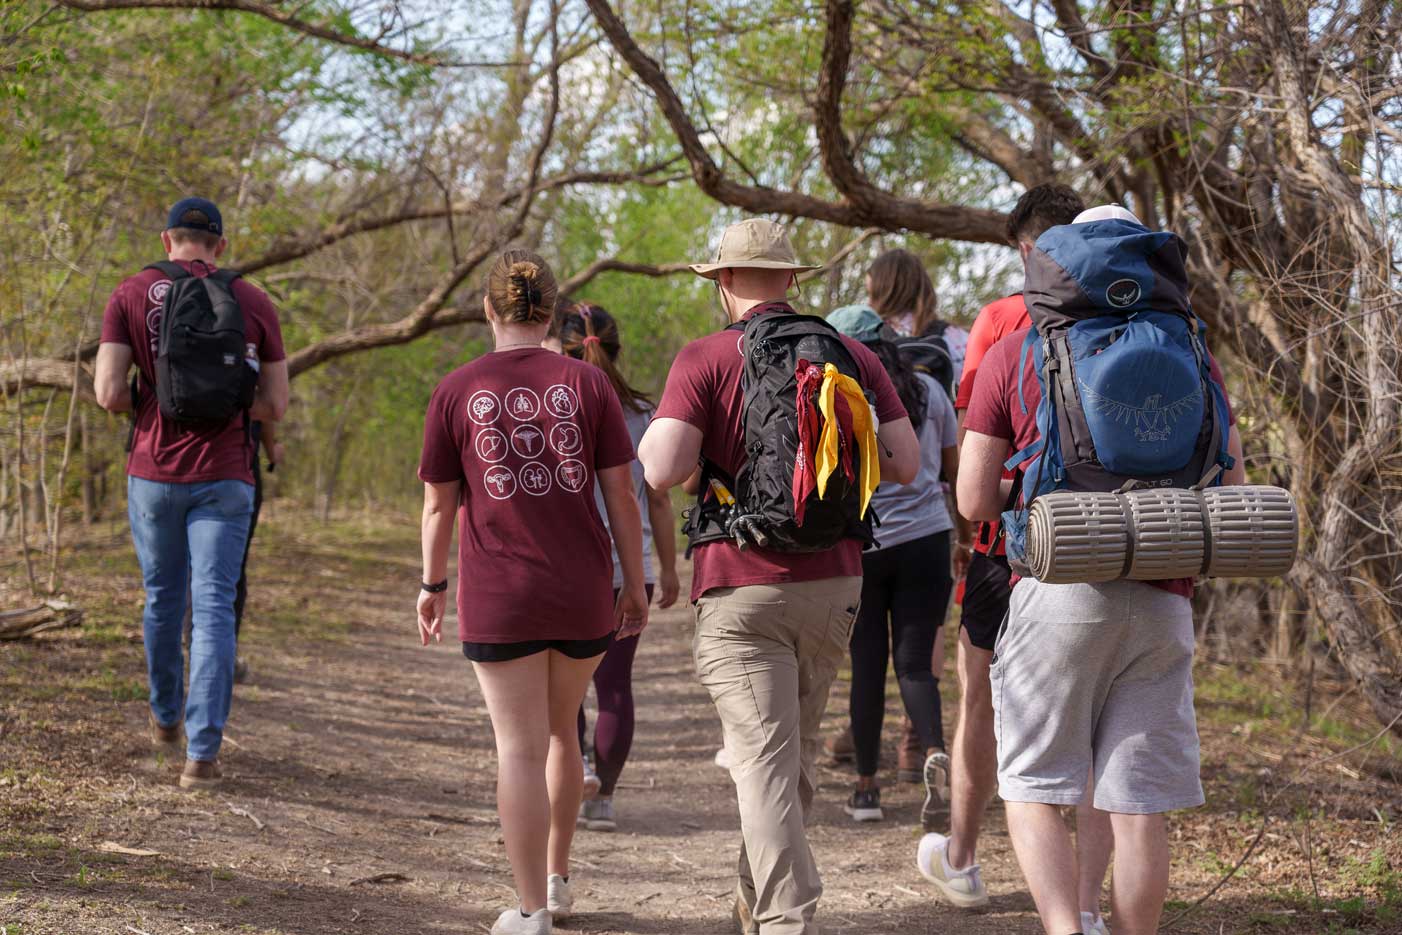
point(190, 540)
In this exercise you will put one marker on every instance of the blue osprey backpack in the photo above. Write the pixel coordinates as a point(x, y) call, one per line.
point(1127, 395)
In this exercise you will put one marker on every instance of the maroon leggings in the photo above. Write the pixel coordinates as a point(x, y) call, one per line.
point(613, 733)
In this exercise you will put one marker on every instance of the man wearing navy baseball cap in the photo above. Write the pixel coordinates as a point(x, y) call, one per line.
point(190, 486)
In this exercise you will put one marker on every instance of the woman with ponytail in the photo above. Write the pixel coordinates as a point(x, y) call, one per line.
point(588, 333)
point(514, 443)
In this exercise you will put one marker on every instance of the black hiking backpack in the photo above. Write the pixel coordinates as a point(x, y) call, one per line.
point(201, 375)
point(762, 491)
point(929, 354)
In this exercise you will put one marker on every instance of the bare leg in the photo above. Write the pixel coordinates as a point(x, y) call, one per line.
point(1094, 842)
point(974, 764)
point(564, 772)
point(1048, 862)
point(1140, 883)
point(529, 714)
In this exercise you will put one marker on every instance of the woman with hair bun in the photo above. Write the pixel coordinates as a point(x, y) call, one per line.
point(587, 332)
point(514, 443)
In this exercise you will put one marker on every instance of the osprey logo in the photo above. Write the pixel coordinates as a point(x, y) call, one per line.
point(1123, 293)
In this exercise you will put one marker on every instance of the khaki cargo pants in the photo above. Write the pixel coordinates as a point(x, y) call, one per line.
point(768, 655)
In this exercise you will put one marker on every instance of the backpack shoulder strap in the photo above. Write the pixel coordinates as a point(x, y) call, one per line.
point(226, 276)
point(171, 269)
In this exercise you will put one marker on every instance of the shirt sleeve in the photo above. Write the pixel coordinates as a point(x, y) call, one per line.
point(687, 395)
point(612, 443)
point(988, 404)
point(114, 319)
point(942, 416)
point(270, 349)
point(441, 461)
point(981, 338)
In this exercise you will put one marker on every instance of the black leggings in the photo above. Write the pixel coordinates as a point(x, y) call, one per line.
point(909, 585)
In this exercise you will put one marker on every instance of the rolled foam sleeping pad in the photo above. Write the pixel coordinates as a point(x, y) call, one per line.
point(1079, 537)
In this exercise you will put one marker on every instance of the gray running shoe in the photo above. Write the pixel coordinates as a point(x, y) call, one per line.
point(934, 814)
point(597, 814)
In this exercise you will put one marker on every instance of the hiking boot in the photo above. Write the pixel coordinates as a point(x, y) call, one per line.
point(963, 888)
point(744, 914)
point(864, 805)
point(934, 814)
point(164, 739)
point(240, 670)
point(910, 755)
point(558, 898)
point(592, 783)
point(514, 922)
point(597, 815)
point(839, 747)
point(1093, 924)
point(201, 775)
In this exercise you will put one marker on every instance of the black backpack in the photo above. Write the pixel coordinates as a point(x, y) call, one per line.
point(763, 488)
point(201, 375)
point(929, 354)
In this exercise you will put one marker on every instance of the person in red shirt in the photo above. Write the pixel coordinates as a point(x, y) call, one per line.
point(1090, 679)
point(189, 491)
point(513, 445)
point(771, 627)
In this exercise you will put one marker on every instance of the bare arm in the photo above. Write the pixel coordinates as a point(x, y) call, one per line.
point(664, 537)
point(979, 486)
point(900, 451)
point(270, 399)
point(669, 451)
point(440, 510)
point(626, 527)
point(1237, 474)
point(110, 377)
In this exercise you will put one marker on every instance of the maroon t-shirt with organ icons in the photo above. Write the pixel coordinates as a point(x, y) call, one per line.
point(163, 450)
point(525, 431)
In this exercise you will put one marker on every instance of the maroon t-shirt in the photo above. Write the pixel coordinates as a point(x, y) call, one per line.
point(167, 451)
point(994, 410)
point(703, 389)
point(525, 431)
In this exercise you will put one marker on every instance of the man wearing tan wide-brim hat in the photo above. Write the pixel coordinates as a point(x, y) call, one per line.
point(771, 626)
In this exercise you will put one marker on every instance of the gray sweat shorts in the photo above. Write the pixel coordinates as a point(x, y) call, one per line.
point(1097, 677)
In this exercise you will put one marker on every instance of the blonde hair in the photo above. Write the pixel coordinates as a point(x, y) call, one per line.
point(522, 288)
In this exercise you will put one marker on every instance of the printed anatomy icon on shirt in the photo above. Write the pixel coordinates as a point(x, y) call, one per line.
point(522, 404)
point(535, 478)
point(527, 441)
point(572, 475)
point(561, 401)
point(565, 438)
point(491, 445)
point(500, 482)
point(483, 407)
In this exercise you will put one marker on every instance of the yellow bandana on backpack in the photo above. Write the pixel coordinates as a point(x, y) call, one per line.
point(829, 443)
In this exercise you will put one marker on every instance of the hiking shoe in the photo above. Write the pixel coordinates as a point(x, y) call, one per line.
point(201, 775)
point(515, 922)
point(963, 888)
point(1093, 924)
point(744, 915)
point(840, 747)
point(934, 814)
point(864, 805)
point(592, 783)
point(164, 739)
point(910, 754)
point(597, 815)
point(240, 670)
point(558, 898)
point(723, 758)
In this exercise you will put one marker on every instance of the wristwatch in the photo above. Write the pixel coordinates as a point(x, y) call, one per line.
point(438, 588)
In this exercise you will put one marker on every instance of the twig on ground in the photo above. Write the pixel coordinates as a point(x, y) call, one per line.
point(464, 820)
point(390, 877)
point(136, 931)
point(245, 813)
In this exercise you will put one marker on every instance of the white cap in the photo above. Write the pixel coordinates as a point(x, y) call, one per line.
point(1107, 213)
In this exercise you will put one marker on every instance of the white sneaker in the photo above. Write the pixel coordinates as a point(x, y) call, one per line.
point(964, 888)
point(558, 898)
point(723, 758)
point(592, 784)
point(598, 815)
point(1093, 924)
point(512, 922)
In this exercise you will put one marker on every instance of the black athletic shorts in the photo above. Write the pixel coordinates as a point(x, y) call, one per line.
point(987, 590)
point(505, 652)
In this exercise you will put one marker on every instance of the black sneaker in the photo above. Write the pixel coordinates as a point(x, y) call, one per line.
point(864, 805)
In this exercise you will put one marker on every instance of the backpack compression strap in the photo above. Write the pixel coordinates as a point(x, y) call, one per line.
point(170, 268)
